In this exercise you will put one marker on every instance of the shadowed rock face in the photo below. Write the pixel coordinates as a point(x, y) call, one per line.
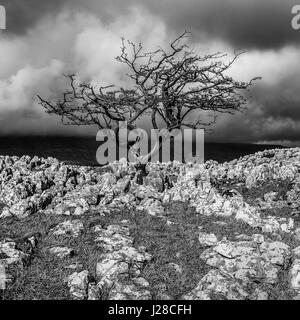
point(258, 192)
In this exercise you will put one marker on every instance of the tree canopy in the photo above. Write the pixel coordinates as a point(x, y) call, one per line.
point(171, 86)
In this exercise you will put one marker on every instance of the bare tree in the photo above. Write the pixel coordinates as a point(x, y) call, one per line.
point(172, 87)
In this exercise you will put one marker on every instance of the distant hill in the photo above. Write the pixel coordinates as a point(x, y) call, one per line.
point(222, 152)
point(82, 150)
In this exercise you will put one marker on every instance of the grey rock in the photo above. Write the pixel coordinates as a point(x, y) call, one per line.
point(78, 284)
point(61, 252)
point(71, 228)
point(207, 239)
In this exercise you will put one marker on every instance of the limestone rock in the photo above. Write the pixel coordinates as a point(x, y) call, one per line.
point(71, 228)
point(246, 260)
point(207, 239)
point(78, 284)
point(61, 252)
point(137, 290)
point(295, 275)
point(217, 284)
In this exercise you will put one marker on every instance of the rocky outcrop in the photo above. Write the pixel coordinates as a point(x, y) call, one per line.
point(259, 191)
point(119, 259)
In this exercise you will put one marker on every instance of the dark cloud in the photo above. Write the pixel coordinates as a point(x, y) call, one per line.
point(23, 14)
point(279, 101)
point(243, 23)
point(273, 114)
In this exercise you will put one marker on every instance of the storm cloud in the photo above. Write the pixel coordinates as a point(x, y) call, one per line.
point(243, 23)
point(45, 39)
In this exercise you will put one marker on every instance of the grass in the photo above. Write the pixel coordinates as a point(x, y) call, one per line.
point(258, 192)
point(45, 277)
point(169, 246)
point(175, 268)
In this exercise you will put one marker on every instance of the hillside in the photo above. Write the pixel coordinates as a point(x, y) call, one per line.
point(172, 231)
point(82, 150)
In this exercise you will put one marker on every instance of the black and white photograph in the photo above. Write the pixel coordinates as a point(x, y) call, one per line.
point(149, 151)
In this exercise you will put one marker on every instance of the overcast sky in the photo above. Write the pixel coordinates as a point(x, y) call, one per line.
point(45, 39)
